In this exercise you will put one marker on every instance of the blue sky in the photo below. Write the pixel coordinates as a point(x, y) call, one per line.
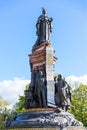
point(18, 34)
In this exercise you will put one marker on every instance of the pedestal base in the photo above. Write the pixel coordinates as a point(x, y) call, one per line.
point(67, 128)
point(44, 119)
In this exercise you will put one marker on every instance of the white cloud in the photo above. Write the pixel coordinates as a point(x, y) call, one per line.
point(74, 81)
point(11, 89)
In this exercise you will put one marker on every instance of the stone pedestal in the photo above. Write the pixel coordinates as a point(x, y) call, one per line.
point(44, 119)
point(43, 58)
point(68, 128)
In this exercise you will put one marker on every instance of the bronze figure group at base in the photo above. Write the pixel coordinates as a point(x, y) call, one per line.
point(37, 96)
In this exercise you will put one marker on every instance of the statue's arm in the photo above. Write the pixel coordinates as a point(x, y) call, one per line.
point(50, 20)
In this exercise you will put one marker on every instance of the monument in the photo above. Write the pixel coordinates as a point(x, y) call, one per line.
point(41, 64)
point(47, 98)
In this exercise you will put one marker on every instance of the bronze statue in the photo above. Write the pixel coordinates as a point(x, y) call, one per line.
point(41, 89)
point(62, 93)
point(44, 28)
point(36, 95)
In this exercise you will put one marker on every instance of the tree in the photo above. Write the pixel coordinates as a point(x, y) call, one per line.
point(19, 106)
point(79, 104)
point(3, 105)
point(1, 122)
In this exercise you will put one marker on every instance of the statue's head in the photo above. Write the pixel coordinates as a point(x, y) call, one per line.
point(40, 73)
point(59, 76)
point(43, 11)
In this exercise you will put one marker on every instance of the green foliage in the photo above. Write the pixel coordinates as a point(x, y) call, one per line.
point(55, 77)
point(27, 87)
point(3, 103)
point(79, 104)
point(1, 122)
point(5, 116)
point(19, 106)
